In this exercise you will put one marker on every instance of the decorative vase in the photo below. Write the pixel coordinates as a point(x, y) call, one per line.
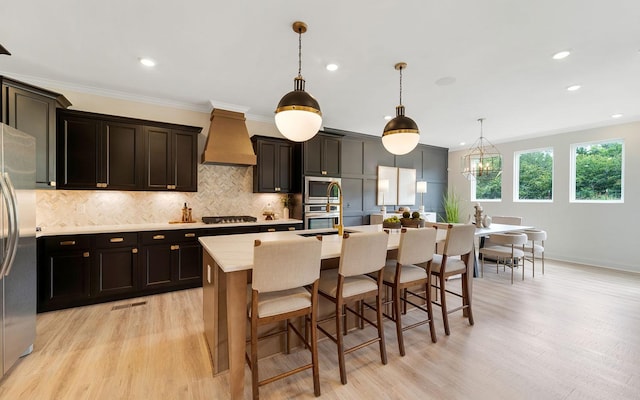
point(285, 213)
point(486, 221)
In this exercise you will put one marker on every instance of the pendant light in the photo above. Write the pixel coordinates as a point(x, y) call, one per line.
point(401, 134)
point(482, 159)
point(298, 116)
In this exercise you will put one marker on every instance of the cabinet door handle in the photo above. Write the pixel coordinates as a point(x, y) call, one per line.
point(116, 240)
point(158, 237)
point(271, 229)
point(86, 254)
point(68, 243)
point(189, 235)
point(134, 251)
point(277, 189)
point(324, 172)
point(175, 247)
point(292, 228)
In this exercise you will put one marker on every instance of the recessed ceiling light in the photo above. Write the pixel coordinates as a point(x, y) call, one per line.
point(332, 67)
point(388, 117)
point(147, 62)
point(573, 88)
point(616, 115)
point(463, 143)
point(561, 54)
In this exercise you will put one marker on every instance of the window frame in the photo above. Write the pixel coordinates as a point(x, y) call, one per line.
point(572, 171)
point(473, 191)
point(516, 175)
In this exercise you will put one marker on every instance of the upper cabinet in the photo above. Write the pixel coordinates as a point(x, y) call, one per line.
point(322, 155)
point(33, 110)
point(106, 152)
point(277, 169)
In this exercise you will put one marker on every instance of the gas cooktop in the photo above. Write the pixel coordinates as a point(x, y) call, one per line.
point(228, 219)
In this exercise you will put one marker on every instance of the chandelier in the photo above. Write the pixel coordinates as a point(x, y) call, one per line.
point(482, 160)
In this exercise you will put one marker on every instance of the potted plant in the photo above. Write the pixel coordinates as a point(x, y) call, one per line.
point(451, 205)
point(414, 222)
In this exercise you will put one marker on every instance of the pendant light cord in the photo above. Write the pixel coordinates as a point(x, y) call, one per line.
point(300, 53)
point(400, 85)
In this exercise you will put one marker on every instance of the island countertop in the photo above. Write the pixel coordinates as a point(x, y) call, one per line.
point(235, 252)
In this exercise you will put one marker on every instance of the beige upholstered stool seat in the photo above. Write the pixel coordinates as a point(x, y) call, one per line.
point(454, 265)
point(353, 285)
point(409, 272)
point(284, 301)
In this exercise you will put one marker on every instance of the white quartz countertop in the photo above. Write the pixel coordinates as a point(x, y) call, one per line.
point(93, 229)
point(235, 252)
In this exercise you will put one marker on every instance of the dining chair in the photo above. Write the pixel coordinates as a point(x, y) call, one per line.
point(282, 270)
point(411, 268)
point(361, 254)
point(535, 246)
point(508, 249)
point(499, 219)
point(456, 258)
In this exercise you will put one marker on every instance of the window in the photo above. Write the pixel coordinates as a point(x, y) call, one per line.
point(487, 187)
point(597, 173)
point(533, 175)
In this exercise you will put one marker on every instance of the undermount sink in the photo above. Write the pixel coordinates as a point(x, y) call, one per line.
point(325, 233)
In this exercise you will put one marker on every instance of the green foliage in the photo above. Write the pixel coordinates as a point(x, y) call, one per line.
point(406, 214)
point(392, 220)
point(488, 187)
point(599, 171)
point(451, 205)
point(415, 215)
point(536, 175)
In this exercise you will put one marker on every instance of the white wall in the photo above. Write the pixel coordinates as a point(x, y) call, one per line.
point(596, 234)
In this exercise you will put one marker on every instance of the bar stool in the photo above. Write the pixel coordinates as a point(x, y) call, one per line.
point(361, 254)
point(412, 268)
point(281, 270)
point(507, 246)
point(533, 236)
point(454, 259)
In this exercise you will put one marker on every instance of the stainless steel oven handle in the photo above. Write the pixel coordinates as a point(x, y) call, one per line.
point(13, 219)
point(321, 215)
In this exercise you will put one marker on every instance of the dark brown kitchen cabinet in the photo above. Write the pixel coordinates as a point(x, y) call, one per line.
point(98, 154)
point(170, 159)
point(33, 110)
point(170, 260)
point(115, 266)
point(322, 155)
point(98, 151)
point(64, 272)
point(280, 227)
point(277, 169)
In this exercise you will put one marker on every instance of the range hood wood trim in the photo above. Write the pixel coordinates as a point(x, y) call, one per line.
point(228, 141)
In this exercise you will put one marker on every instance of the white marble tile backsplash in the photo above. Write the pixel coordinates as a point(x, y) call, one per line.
point(222, 190)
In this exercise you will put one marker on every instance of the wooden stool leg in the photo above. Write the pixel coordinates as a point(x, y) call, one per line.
point(443, 302)
point(398, 318)
point(254, 355)
point(432, 325)
point(314, 351)
point(339, 340)
point(383, 347)
point(466, 297)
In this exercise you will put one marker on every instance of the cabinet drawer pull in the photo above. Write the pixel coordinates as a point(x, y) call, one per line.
point(171, 186)
point(86, 254)
point(116, 240)
point(158, 237)
point(189, 235)
point(324, 172)
point(292, 228)
point(68, 243)
point(134, 251)
point(175, 247)
point(271, 230)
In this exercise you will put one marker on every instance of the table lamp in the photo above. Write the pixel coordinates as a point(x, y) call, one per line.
point(421, 187)
point(383, 187)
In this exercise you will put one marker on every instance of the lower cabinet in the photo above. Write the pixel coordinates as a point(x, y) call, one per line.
point(115, 266)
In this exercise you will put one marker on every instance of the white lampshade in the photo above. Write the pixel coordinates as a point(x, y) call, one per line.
point(421, 187)
point(298, 125)
point(383, 185)
point(400, 143)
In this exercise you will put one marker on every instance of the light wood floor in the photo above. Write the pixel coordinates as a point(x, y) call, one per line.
point(573, 333)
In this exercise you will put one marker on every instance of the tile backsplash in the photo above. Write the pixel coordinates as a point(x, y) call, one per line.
point(222, 190)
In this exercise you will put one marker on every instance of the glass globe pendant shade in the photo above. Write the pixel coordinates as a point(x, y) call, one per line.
point(401, 134)
point(298, 116)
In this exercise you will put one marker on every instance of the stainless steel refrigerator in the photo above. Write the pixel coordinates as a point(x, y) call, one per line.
point(18, 245)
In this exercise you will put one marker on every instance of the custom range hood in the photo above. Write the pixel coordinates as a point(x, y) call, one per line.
point(228, 142)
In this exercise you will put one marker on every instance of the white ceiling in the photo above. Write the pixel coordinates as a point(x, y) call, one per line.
point(244, 52)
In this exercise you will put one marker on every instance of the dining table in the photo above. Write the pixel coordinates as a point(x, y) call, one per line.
point(227, 265)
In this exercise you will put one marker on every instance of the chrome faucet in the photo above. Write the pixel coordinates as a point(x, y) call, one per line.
point(339, 226)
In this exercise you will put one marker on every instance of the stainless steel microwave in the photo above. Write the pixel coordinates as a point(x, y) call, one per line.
point(315, 190)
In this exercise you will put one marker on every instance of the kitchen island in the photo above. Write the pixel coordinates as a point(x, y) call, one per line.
point(227, 262)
